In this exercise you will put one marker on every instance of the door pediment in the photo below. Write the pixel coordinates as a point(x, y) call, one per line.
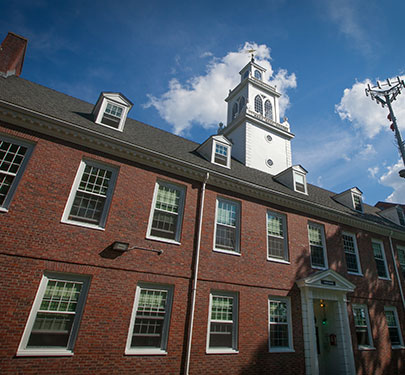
point(328, 279)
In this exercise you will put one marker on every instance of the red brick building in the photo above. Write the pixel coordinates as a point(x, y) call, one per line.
point(127, 249)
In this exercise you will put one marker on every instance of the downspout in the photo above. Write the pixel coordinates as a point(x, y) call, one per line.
point(195, 276)
point(396, 271)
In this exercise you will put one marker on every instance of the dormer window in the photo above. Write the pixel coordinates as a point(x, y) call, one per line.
point(112, 115)
point(258, 74)
point(358, 206)
point(217, 150)
point(401, 217)
point(351, 198)
point(111, 110)
point(299, 182)
point(221, 155)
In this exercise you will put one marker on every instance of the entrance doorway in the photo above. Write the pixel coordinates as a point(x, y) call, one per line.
point(326, 334)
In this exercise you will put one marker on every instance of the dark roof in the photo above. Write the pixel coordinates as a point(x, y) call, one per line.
point(49, 102)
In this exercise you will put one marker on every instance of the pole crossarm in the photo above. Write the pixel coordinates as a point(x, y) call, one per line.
point(385, 93)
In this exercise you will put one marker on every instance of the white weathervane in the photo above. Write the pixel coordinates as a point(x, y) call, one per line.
point(252, 52)
point(385, 93)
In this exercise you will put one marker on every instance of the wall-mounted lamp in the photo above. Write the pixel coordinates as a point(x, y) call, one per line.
point(124, 246)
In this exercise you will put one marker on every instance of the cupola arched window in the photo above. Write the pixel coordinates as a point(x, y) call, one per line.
point(242, 102)
point(268, 110)
point(258, 74)
point(234, 110)
point(258, 104)
point(246, 74)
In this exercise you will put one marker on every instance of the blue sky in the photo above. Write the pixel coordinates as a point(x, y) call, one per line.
point(177, 60)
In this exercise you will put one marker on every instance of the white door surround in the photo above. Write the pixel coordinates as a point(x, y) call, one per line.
point(332, 288)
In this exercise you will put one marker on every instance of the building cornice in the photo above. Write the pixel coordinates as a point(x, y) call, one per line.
point(48, 125)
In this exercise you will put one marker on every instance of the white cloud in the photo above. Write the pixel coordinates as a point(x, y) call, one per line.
point(391, 178)
point(367, 151)
point(366, 114)
point(200, 101)
point(347, 15)
point(373, 171)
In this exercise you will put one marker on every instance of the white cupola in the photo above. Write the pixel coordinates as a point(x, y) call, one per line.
point(258, 138)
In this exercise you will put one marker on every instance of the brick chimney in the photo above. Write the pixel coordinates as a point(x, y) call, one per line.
point(12, 52)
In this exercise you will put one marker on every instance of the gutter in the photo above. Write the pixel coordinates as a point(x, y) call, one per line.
point(397, 272)
point(195, 276)
point(219, 175)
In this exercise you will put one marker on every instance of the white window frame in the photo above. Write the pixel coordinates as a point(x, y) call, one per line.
point(384, 259)
point(398, 326)
point(235, 316)
point(228, 154)
point(18, 175)
point(295, 175)
point(237, 250)
point(283, 218)
point(258, 104)
point(74, 189)
point(102, 110)
point(290, 347)
point(401, 216)
point(360, 201)
point(182, 191)
point(356, 253)
point(165, 331)
point(325, 253)
point(370, 346)
point(23, 350)
point(401, 263)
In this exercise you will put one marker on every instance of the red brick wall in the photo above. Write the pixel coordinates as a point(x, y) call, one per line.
point(34, 240)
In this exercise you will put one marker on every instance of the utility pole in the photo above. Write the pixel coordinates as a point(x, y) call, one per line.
point(385, 93)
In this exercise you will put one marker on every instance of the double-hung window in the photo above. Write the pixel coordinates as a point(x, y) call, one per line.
point(358, 206)
point(166, 216)
point(222, 323)
point(300, 184)
point(227, 226)
point(393, 326)
point(221, 154)
point(14, 155)
point(401, 259)
point(317, 246)
point(91, 195)
point(277, 248)
point(351, 253)
point(149, 326)
point(363, 329)
point(54, 320)
point(112, 115)
point(280, 330)
point(380, 260)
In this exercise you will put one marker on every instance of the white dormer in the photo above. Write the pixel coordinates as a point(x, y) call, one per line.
point(217, 150)
point(394, 213)
point(351, 198)
point(294, 178)
point(111, 110)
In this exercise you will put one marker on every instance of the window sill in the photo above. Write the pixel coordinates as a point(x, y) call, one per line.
point(355, 273)
point(3, 209)
point(384, 278)
point(398, 347)
point(278, 260)
point(319, 268)
point(282, 350)
point(44, 353)
point(119, 129)
point(227, 252)
point(165, 240)
point(145, 351)
point(222, 351)
point(366, 348)
point(221, 165)
point(84, 225)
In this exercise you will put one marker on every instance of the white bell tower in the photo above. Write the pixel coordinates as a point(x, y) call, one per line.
point(259, 140)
